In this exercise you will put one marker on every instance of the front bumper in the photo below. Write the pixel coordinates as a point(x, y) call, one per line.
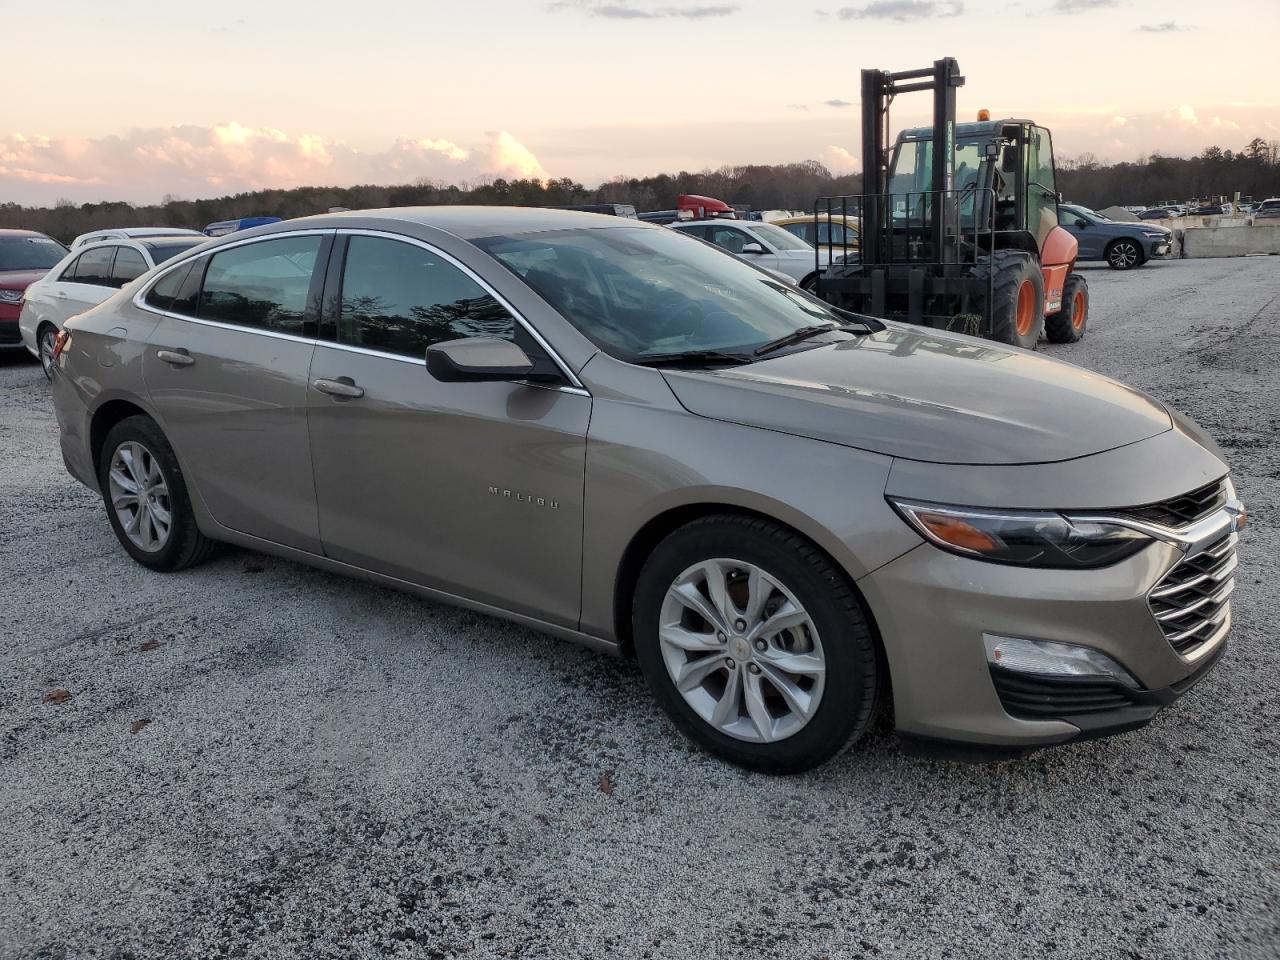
point(933, 610)
point(1158, 249)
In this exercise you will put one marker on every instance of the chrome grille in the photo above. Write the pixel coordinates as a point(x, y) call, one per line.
point(1182, 510)
point(1191, 602)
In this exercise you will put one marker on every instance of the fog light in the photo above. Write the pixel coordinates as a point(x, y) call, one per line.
point(1049, 659)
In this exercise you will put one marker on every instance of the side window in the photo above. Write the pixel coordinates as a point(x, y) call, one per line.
point(70, 272)
point(129, 265)
point(1042, 201)
point(94, 266)
point(260, 285)
point(166, 288)
point(400, 298)
point(728, 238)
point(699, 232)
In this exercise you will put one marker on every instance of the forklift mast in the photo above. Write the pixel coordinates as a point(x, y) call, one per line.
point(879, 88)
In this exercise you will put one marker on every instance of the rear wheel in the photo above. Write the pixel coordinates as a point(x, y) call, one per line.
point(146, 498)
point(1017, 307)
point(1123, 255)
point(1068, 324)
point(754, 643)
point(46, 337)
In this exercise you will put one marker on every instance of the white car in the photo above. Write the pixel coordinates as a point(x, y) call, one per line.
point(84, 278)
point(132, 233)
point(762, 244)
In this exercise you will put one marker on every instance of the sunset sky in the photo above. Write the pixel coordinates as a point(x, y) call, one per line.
point(134, 100)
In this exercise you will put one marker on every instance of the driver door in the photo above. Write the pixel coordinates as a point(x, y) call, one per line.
point(474, 489)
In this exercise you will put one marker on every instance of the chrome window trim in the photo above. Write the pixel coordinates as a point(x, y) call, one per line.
point(575, 386)
point(480, 281)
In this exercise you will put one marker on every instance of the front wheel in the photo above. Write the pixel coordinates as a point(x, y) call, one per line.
point(1017, 306)
point(1124, 255)
point(755, 645)
point(1068, 324)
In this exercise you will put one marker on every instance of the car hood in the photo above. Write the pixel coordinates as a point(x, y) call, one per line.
point(927, 395)
point(19, 279)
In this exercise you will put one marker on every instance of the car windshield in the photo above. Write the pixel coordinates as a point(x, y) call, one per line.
point(641, 292)
point(779, 238)
point(30, 253)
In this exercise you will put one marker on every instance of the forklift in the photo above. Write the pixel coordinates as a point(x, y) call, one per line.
point(959, 226)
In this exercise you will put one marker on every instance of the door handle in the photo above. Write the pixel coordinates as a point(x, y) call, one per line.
point(178, 358)
point(343, 388)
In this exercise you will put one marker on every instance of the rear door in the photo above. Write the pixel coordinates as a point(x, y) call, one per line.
point(85, 283)
point(474, 489)
point(226, 368)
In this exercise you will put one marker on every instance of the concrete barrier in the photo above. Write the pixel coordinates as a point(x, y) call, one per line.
point(1200, 242)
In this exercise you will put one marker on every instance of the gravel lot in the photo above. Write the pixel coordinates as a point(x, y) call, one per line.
point(261, 760)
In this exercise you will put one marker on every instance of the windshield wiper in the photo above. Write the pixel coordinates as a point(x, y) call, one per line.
point(795, 336)
point(690, 356)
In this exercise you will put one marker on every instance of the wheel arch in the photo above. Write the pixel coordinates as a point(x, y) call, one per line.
point(106, 416)
point(661, 525)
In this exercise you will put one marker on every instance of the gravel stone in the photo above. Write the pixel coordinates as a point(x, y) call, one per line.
point(335, 770)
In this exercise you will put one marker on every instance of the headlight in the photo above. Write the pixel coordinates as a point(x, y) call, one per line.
point(1022, 537)
point(11, 296)
point(1155, 236)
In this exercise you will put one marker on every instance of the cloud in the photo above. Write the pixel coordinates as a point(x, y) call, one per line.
point(839, 160)
point(903, 10)
point(1169, 26)
point(1083, 6)
point(838, 103)
point(198, 161)
point(625, 11)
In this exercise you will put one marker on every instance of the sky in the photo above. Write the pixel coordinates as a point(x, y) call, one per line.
point(136, 100)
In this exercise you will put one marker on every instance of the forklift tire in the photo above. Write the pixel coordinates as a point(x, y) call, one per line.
point(1068, 324)
point(1017, 308)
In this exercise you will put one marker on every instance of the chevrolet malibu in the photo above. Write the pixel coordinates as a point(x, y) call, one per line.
point(790, 515)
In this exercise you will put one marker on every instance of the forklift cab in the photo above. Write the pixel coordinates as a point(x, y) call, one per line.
point(1012, 159)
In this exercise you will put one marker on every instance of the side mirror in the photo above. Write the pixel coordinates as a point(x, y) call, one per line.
point(1082, 224)
point(752, 248)
point(478, 359)
point(1009, 159)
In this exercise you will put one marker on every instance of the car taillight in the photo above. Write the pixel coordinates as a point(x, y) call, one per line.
point(61, 342)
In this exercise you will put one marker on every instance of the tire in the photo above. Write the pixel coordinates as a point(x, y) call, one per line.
point(761, 728)
point(810, 284)
point(45, 337)
point(1068, 324)
point(137, 451)
point(1017, 309)
point(1123, 254)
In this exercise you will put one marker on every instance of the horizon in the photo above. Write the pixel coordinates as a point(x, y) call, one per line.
point(591, 90)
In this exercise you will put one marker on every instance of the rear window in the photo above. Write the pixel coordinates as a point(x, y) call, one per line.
point(168, 249)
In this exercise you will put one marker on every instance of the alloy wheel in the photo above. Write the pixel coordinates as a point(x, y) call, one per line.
point(140, 496)
point(742, 650)
point(47, 340)
point(1123, 255)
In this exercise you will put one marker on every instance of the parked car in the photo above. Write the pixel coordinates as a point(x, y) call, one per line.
point(764, 244)
point(840, 231)
point(602, 430)
point(25, 257)
point(1211, 210)
point(132, 233)
point(1268, 210)
point(224, 227)
point(1157, 213)
point(1122, 245)
point(85, 277)
point(608, 209)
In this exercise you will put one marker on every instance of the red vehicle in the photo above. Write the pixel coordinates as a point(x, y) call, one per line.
point(25, 257)
point(704, 208)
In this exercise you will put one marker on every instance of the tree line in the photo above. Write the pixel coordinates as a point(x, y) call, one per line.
point(1253, 171)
